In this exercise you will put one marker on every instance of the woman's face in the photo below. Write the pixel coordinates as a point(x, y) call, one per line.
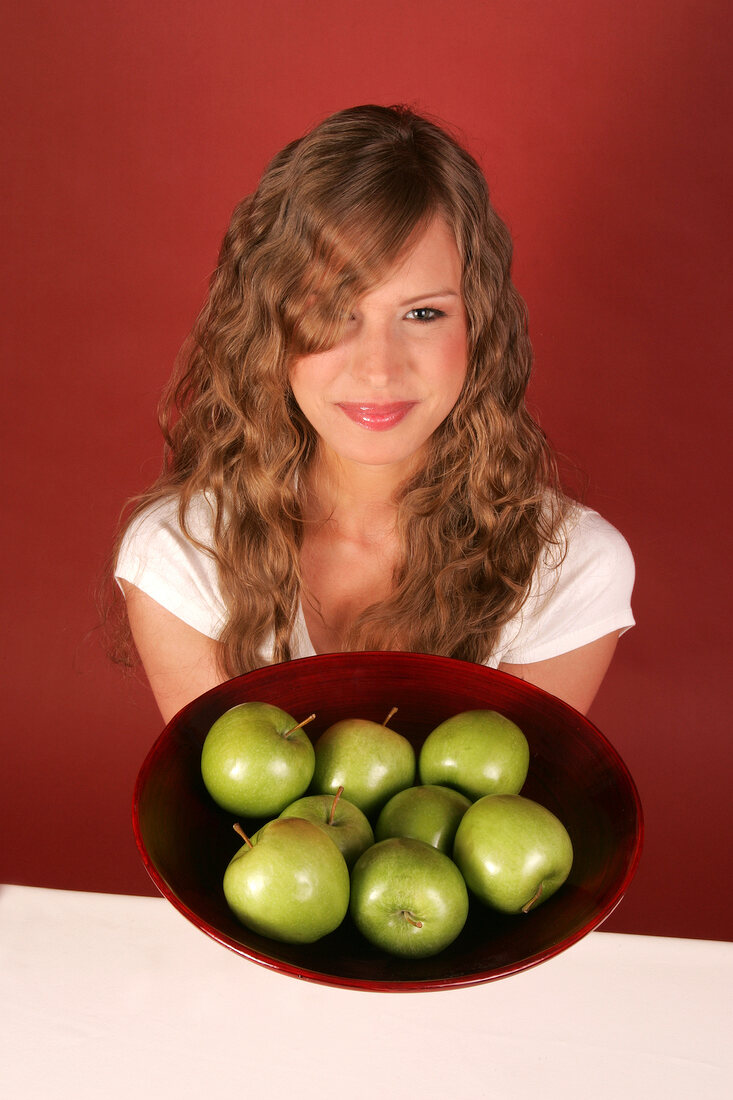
point(376, 397)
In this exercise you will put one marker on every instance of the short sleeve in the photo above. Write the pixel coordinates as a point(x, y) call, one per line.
point(159, 559)
point(576, 598)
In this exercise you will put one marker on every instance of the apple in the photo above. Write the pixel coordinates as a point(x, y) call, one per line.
point(256, 760)
point(339, 819)
point(430, 813)
point(407, 897)
point(513, 853)
point(371, 762)
point(291, 883)
point(477, 752)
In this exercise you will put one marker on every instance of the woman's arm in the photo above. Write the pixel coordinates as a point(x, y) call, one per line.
point(180, 663)
point(574, 677)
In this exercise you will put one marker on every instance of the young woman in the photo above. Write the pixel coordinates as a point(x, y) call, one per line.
point(349, 460)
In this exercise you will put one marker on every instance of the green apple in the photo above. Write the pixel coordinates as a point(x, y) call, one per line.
point(477, 752)
point(291, 884)
point(339, 819)
point(407, 897)
point(256, 760)
point(430, 813)
point(513, 853)
point(371, 763)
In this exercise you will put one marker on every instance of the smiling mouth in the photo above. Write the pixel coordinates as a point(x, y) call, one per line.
point(377, 418)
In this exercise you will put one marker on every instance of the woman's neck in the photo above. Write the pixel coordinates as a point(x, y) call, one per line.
point(357, 502)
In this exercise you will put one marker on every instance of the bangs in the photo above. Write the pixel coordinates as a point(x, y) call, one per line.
point(348, 239)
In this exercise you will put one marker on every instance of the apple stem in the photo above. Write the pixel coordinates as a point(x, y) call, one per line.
point(300, 725)
point(238, 829)
point(390, 715)
point(410, 919)
point(533, 901)
point(336, 797)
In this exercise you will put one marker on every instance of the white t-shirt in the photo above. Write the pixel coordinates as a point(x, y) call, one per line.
point(588, 596)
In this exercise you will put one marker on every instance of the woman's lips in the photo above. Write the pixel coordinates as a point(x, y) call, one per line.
point(377, 418)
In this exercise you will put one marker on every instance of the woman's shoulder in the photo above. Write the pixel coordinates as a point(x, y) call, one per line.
point(172, 561)
point(581, 591)
point(162, 519)
point(589, 541)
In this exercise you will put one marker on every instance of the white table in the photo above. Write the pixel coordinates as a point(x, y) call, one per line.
point(110, 996)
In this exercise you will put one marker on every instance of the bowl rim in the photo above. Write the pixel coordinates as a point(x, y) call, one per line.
point(375, 985)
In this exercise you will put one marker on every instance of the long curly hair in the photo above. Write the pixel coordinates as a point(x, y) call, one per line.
point(332, 213)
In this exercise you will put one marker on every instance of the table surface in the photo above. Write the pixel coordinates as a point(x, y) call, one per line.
point(118, 996)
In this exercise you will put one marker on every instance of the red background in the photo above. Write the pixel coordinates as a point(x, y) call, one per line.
point(130, 130)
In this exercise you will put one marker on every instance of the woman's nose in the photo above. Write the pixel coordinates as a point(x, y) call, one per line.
point(375, 357)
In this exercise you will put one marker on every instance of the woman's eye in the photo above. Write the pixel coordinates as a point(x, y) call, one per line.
point(425, 313)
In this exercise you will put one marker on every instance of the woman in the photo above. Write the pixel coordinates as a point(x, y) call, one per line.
point(349, 460)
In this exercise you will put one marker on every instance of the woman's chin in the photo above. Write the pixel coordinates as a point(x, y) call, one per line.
point(390, 458)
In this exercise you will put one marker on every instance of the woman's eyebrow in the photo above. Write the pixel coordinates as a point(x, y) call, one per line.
point(430, 294)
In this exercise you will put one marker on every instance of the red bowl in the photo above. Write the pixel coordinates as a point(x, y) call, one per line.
point(186, 840)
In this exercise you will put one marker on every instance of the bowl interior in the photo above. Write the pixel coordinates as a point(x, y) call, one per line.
point(186, 840)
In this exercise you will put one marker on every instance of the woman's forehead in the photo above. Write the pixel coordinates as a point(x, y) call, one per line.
point(429, 264)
